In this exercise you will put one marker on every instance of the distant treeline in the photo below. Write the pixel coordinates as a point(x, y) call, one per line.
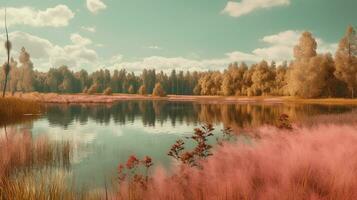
point(308, 75)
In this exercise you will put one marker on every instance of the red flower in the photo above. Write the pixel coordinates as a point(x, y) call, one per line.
point(132, 162)
point(147, 161)
point(120, 168)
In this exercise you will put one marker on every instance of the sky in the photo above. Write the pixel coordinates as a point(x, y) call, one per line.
point(169, 34)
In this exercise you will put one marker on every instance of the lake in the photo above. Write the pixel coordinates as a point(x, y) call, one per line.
point(105, 134)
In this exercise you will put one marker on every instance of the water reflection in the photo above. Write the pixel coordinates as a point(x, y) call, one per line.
point(153, 113)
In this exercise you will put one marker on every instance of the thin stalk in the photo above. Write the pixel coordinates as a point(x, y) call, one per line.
point(8, 57)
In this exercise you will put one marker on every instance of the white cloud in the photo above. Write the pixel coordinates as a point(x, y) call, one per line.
point(79, 54)
point(79, 40)
point(57, 16)
point(282, 44)
point(289, 38)
point(244, 7)
point(279, 47)
point(95, 6)
point(91, 29)
point(166, 64)
point(45, 54)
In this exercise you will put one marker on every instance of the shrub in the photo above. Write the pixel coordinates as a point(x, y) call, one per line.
point(142, 90)
point(85, 90)
point(158, 91)
point(92, 89)
point(108, 91)
point(131, 90)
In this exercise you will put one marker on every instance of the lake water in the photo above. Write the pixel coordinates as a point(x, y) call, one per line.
point(104, 135)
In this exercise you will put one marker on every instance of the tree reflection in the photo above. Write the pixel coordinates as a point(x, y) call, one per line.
point(152, 113)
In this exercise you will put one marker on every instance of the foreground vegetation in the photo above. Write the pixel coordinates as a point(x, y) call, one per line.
point(282, 164)
point(286, 162)
point(308, 75)
point(33, 168)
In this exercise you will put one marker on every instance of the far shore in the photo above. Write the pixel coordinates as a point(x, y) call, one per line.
point(100, 98)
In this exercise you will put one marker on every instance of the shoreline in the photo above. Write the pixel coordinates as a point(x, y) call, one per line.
point(99, 98)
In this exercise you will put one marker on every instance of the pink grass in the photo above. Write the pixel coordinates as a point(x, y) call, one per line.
point(308, 163)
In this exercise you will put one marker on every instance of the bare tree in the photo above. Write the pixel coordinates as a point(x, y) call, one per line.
point(6, 66)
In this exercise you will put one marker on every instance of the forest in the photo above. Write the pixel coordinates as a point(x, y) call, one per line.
point(308, 75)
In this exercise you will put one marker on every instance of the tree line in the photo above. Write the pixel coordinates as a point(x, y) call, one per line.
point(308, 75)
point(23, 78)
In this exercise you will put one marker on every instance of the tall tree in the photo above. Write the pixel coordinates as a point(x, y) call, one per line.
point(263, 79)
point(346, 60)
point(306, 47)
point(281, 79)
point(227, 85)
point(27, 70)
point(310, 73)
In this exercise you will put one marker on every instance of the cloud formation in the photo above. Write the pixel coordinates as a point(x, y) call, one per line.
point(45, 54)
point(95, 6)
point(57, 16)
point(244, 7)
point(80, 40)
point(79, 54)
point(279, 48)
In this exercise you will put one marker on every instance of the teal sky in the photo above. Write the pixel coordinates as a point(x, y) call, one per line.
point(167, 34)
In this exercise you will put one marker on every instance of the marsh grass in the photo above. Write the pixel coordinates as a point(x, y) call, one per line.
point(35, 169)
point(304, 163)
point(42, 185)
point(20, 153)
point(14, 110)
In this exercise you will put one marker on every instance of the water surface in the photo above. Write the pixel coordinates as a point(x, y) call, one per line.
point(104, 135)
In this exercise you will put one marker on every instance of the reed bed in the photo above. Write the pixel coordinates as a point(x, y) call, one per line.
point(34, 169)
point(15, 109)
point(304, 163)
point(20, 152)
point(43, 185)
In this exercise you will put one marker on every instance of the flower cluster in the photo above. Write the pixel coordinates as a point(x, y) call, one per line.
point(284, 122)
point(129, 170)
point(201, 151)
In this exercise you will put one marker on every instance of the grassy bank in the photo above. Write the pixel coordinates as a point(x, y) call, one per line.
point(14, 109)
point(100, 98)
point(322, 101)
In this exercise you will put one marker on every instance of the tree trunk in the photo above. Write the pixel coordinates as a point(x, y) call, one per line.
point(4, 90)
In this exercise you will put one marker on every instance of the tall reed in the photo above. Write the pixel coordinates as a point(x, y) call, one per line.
point(15, 109)
point(29, 168)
